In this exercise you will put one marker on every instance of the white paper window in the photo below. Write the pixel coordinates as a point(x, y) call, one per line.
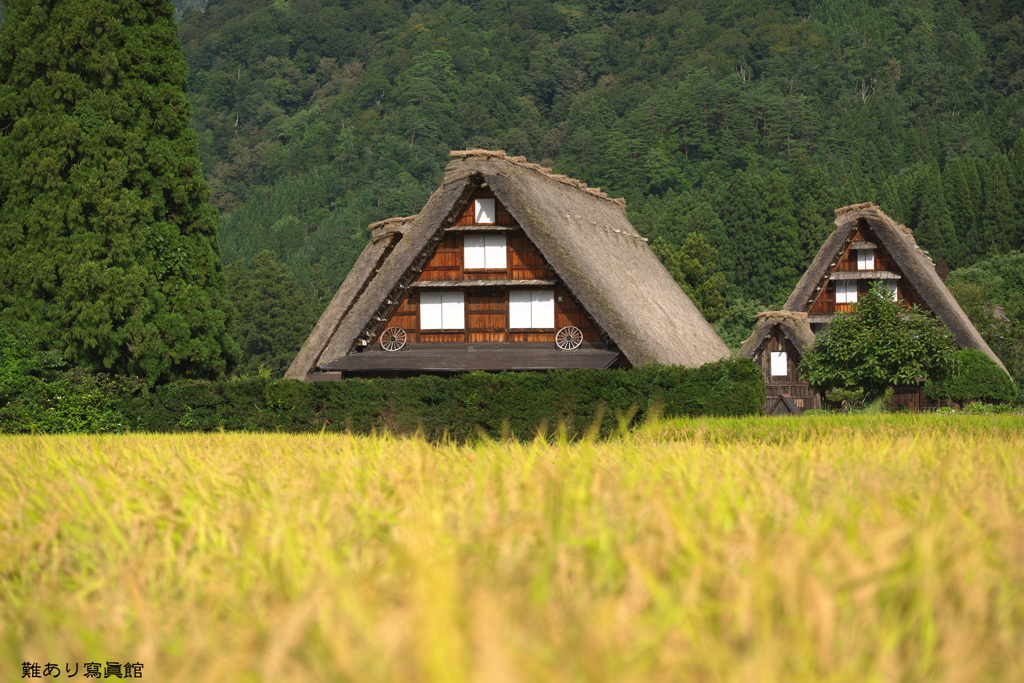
point(779, 365)
point(484, 211)
point(865, 259)
point(894, 288)
point(846, 291)
point(484, 251)
point(442, 311)
point(531, 309)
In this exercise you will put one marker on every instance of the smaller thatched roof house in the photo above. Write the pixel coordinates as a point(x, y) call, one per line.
point(778, 344)
point(867, 245)
point(508, 266)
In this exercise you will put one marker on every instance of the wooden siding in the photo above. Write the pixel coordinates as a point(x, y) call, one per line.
point(487, 319)
point(525, 260)
point(791, 384)
point(826, 301)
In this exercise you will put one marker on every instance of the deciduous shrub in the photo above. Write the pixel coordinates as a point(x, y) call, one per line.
point(978, 378)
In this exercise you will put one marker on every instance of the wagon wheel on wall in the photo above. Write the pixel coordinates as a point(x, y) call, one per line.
point(569, 338)
point(392, 339)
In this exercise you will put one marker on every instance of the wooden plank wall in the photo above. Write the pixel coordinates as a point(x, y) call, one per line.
point(776, 385)
point(826, 301)
point(487, 319)
point(487, 308)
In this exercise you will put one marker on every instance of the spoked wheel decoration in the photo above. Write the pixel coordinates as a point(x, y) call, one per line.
point(569, 338)
point(392, 339)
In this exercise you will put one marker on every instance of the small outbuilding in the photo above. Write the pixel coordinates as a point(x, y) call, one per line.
point(777, 346)
point(507, 267)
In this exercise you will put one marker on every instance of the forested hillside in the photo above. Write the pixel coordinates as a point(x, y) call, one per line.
point(745, 123)
point(734, 128)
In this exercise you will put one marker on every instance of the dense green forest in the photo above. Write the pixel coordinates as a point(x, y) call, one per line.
point(733, 128)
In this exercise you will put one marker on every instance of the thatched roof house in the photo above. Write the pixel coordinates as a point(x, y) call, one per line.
point(778, 344)
point(867, 245)
point(504, 259)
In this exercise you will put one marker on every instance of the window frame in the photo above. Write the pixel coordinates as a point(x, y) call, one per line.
point(865, 259)
point(477, 211)
point(778, 356)
point(458, 296)
point(534, 305)
point(485, 237)
point(845, 285)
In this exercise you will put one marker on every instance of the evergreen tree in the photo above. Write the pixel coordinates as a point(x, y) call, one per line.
point(998, 221)
point(671, 225)
point(108, 242)
point(935, 231)
point(815, 205)
point(974, 244)
point(784, 262)
point(273, 316)
point(741, 243)
point(962, 214)
point(1015, 181)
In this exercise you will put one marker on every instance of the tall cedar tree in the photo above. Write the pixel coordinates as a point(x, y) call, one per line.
point(107, 241)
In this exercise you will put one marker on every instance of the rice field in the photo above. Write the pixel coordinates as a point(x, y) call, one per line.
point(882, 548)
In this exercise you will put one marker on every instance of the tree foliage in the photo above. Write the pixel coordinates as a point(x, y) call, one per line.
point(274, 318)
point(879, 345)
point(108, 252)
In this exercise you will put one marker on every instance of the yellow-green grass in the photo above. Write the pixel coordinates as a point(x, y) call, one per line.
point(825, 549)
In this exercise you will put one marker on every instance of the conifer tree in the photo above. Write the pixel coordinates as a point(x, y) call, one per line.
point(784, 262)
point(741, 243)
point(962, 214)
point(814, 205)
point(1015, 181)
point(998, 221)
point(935, 231)
point(273, 315)
point(107, 241)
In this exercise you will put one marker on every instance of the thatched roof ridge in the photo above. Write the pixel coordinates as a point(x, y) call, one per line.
point(586, 239)
point(915, 264)
point(521, 161)
point(793, 325)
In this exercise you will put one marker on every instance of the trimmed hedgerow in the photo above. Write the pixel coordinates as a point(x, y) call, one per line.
point(460, 407)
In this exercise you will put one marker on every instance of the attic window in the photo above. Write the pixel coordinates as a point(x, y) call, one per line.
point(485, 252)
point(779, 364)
point(442, 311)
point(485, 213)
point(865, 259)
point(846, 291)
point(531, 309)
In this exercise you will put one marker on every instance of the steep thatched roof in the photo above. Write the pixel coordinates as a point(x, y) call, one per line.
point(582, 234)
point(792, 324)
point(363, 272)
point(915, 264)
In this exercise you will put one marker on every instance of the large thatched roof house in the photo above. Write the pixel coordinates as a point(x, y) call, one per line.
point(506, 267)
point(866, 246)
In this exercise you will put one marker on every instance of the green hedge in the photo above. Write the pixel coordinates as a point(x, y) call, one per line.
point(517, 403)
point(977, 378)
